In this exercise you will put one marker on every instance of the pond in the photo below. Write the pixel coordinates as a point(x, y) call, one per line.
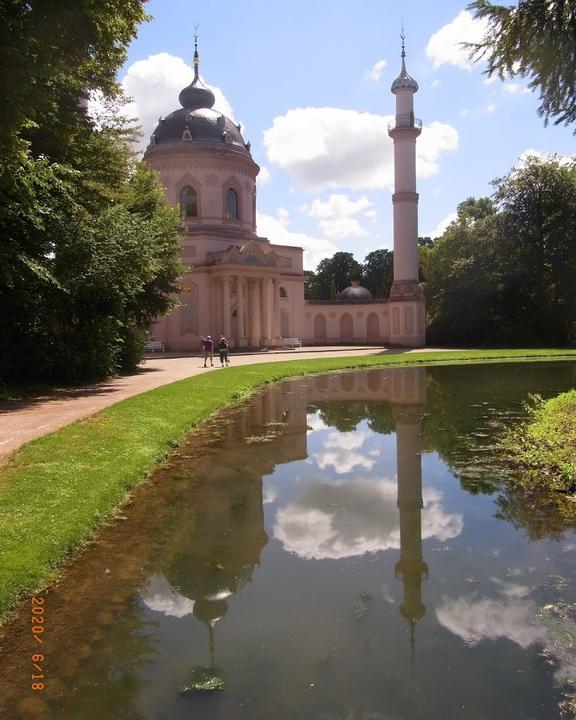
point(341, 547)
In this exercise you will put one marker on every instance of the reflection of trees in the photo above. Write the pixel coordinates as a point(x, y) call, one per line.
point(468, 410)
point(542, 513)
point(346, 416)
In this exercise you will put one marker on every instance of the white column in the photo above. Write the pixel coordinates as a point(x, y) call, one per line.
point(240, 311)
point(265, 288)
point(255, 332)
point(276, 311)
point(226, 305)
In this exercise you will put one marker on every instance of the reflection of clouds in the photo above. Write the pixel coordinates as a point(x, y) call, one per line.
point(269, 494)
point(516, 618)
point(476, 619)
point(314, 422)
point(352, 518)
point(340, 452)
point(161, 597)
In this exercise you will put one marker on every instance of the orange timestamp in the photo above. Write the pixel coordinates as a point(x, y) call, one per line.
point(38, 628)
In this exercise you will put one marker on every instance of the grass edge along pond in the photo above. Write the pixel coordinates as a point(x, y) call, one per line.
point(56, 490)
point(545, 445)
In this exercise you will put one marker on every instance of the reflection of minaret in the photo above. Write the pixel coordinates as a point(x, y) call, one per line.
point(411, 566)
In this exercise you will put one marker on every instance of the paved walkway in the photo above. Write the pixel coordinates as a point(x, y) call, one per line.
point(25, 420)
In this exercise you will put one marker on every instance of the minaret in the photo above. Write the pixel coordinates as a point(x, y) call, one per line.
point(406, 296)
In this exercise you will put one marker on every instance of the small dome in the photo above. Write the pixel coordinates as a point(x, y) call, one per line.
point(196, 95)
point(404, 81)
point(355, 292)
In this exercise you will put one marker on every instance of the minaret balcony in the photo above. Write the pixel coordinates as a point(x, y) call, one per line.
point(405, 122)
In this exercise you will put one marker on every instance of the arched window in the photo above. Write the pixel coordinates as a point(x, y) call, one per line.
point(231, 204)
point(189, 202)
point(283, 293)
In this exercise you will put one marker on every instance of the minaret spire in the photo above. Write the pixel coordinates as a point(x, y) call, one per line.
point(196, 55)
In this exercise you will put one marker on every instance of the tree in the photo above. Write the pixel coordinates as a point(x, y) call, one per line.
point(378, 272)
point(534, 39)
point(89, 247)
point(537, 249)
point(333, 273)
point(461, 273)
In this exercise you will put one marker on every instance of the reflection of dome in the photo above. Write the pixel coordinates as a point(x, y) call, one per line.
point(355, 292)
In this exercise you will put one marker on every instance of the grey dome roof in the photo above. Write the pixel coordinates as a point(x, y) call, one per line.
point(404, 80)
point(355, 292)
point(203, 124)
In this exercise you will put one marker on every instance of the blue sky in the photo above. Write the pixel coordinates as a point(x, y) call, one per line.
point(310, 83)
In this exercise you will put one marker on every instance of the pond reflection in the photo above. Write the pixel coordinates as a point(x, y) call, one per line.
point(333, 549)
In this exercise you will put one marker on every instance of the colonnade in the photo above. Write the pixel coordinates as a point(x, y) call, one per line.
point(256, 302)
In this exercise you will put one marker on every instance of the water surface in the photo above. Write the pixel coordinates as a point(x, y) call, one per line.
point(341, 547)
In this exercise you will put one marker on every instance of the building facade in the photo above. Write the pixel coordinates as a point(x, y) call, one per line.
point(242, 285)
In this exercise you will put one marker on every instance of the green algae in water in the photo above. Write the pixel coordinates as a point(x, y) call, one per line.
point(203, 680)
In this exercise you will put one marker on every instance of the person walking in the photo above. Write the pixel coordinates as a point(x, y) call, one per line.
point(223, 348)
point(208, 349)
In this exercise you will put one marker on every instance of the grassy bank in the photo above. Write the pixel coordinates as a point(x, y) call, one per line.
point(57, 489)
point(545, 446)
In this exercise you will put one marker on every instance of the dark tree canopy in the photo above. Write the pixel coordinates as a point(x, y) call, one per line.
point(502, 273)
point(333, 275)
point(535, 39)
point(88, 246)
point(378, 272)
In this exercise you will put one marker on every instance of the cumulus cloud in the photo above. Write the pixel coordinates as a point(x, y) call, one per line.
point(514, 88)
point(336, 217)
point(154, 85)
point(269, 494)
point(376, 69)
point(161, 597)
point(340, 451)
point(276, 230)
point(529, 154)
point(335, 148)
point(440, 229)
point(264, 176)
point(445, 46)
point(476, 619)
point(352, 518)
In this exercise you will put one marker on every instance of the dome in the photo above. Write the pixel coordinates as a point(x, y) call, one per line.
point(355, 292)
point(196, 120)
point(404, 80)
point(202, 124)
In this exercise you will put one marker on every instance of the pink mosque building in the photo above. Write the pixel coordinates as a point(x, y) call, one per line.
point(246, 287)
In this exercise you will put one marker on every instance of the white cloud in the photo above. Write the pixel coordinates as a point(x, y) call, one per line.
point(154, 85)
point(352, 518)
point(464, 112)
point(436, 139)
point(315, 249)
point(514, 88)
point(336, 216)
point(475, 620)
point(334, 148)
point(445, 46)
point(269, 494)
point(490, 108)
point(376, 69)
point(161, 597)
point(264, 176)
point(435, 83)
point(339, 450)
point(440, 229)
point(525, 157)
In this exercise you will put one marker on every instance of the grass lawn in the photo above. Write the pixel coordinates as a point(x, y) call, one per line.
point(56, 490)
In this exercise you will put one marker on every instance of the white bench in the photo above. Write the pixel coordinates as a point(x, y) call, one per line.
point(154, 346)
point(291, 342)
